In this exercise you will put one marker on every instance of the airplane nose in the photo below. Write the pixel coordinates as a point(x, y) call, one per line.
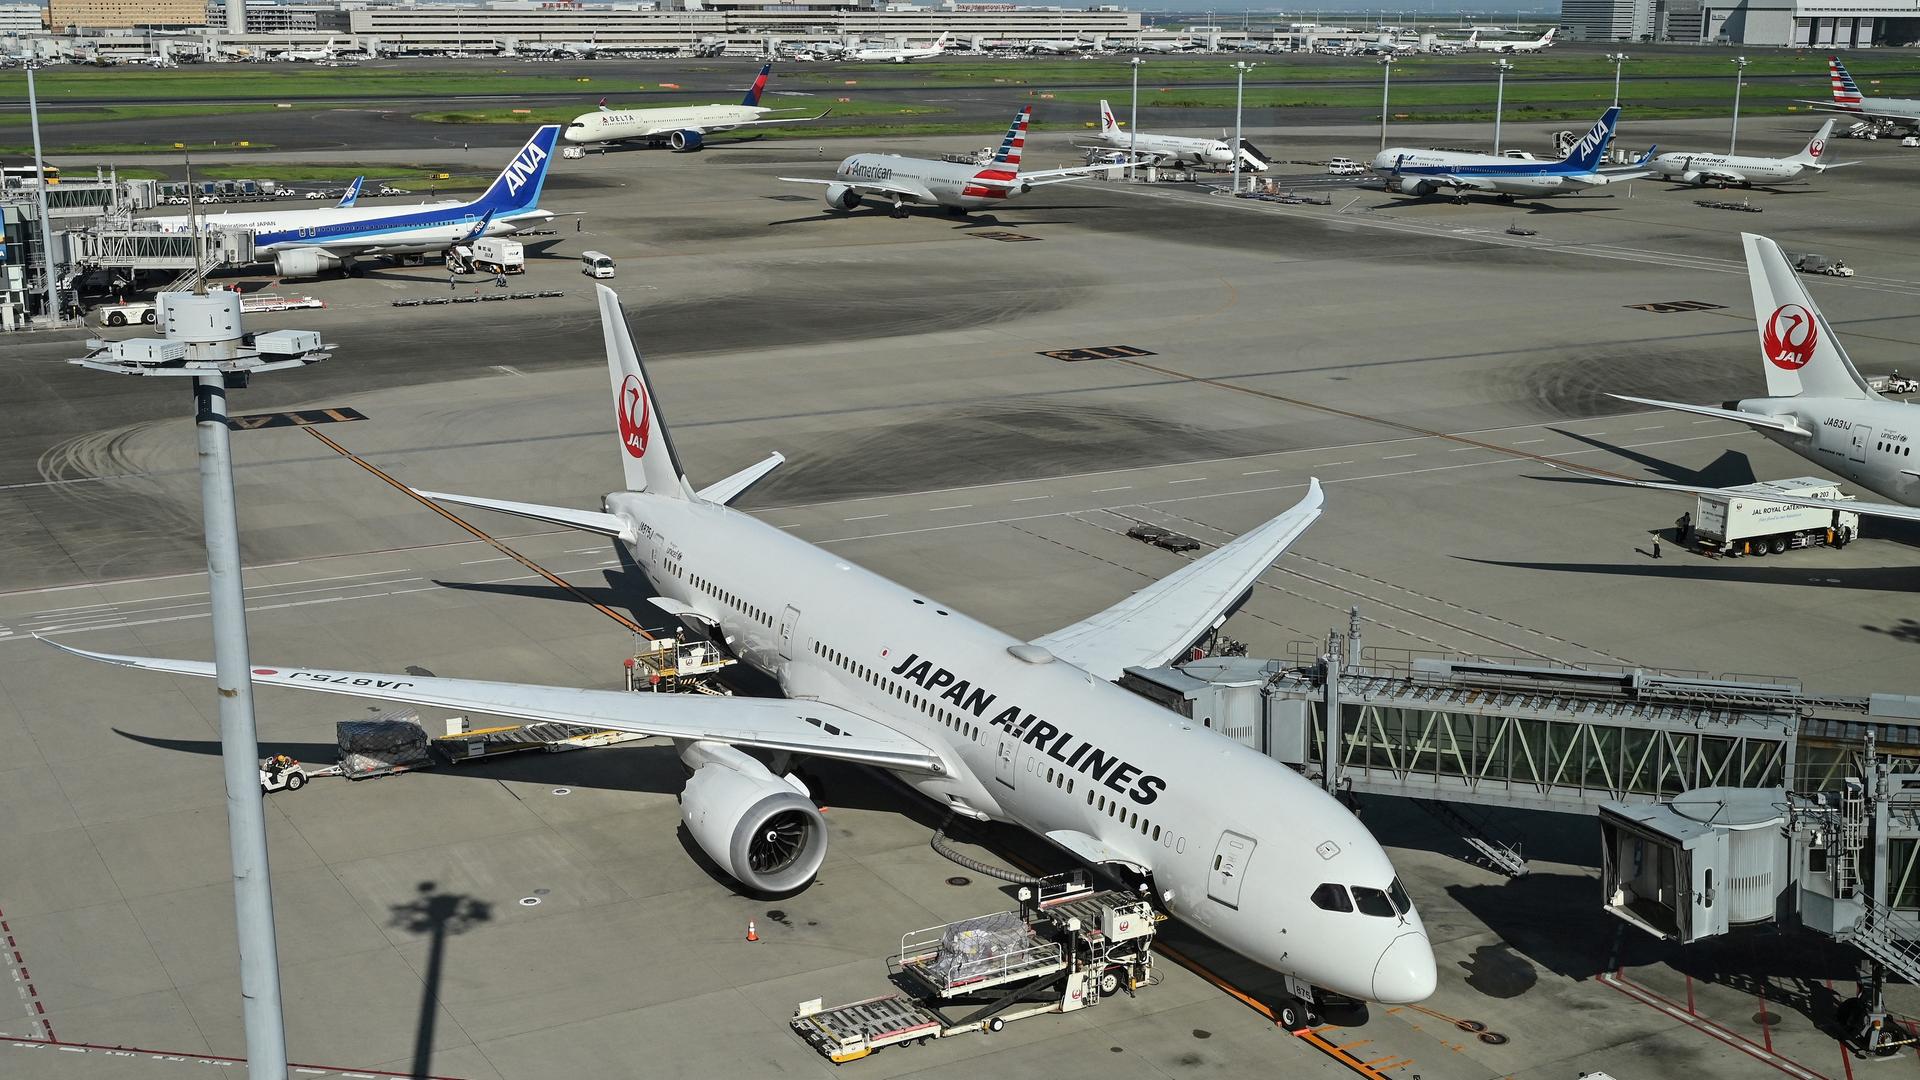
point(1405, 974)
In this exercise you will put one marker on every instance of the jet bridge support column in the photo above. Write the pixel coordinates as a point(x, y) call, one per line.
point(1330, 706)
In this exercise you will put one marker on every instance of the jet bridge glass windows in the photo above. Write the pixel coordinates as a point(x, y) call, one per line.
point(1331, 897)
point(1373, 902)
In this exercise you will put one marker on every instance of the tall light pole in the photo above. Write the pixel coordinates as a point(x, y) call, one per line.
point(203, 341)
point(1240, 69)
point(1739, 75)
point(1500, 67)
point(1618, 59)
point(1386, 84)
point(1133, 119)
point(40, 200)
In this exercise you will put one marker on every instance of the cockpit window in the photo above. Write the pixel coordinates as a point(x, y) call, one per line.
point(1398, 894)
point(1372, 902)
point(1332, 897)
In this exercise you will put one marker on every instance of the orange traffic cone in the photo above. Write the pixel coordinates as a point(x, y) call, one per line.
point(752, 935)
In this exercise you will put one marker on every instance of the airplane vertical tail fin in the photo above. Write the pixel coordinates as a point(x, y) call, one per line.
point(518, 186)
point(646, 450)
point(1846, 92)
point(1546, 39)
point(352, 194)
point(1587, 154)
point(759, 85)
point(1816, 147)
point(1015, 141)
point(1109, 126)
point(1800, 352)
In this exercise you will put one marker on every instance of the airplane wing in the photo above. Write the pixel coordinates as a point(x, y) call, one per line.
point(801, 727)
point(1155, 624)
point(1771, 423)
point(1059, 176)
point(1861, 112)
point(821, 115)
point(1851, 506)
point(909, 192)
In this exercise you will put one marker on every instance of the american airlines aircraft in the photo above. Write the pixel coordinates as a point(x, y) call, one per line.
point(302, 243)
point(681, 127)
point(1817, 405)
point(960, 188)
point(1423, 172)
point(990, 727)
point(1178, 148)
point(1724, 169)
point(1848, 99)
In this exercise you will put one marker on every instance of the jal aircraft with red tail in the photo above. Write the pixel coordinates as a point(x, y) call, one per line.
point(1033, 733)
point(961, 187)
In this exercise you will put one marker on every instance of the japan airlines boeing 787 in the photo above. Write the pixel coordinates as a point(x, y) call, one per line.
point(990, 727)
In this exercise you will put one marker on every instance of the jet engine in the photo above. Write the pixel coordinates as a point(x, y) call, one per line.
point(688, 139)
point(305, 262)
point(762, 829)
point(1415, 186)
point(842, 197)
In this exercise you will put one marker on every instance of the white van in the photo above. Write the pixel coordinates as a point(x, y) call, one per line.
point(596, 264)
point(1345, 167)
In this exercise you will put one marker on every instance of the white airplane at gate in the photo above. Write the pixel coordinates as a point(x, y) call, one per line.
point(1724, 169)
point(1817, 405)
point(990, 727)
point(1178, 148)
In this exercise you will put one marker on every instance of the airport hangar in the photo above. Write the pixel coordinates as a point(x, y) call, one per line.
point(981, 409)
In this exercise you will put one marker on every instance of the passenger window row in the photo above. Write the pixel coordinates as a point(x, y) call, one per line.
point(917, 701)
point(731, 600)
point(1896, 449)
point(1130, 818)
point(1385, 903)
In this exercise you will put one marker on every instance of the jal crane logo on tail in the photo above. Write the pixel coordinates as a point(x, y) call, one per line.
point(1816, 148)
point(1789, 337)
point(635, 416)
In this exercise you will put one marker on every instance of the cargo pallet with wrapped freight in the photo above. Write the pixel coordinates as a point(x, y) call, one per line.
point(1064, 949)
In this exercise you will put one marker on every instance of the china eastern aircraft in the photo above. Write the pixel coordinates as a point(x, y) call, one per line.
point(681, 127)
point(1817, 405)
point(1423, 172)
point(1724, 169)
point(990, 727)
point(960, 188)
point(1177, 148)
point(302, 243)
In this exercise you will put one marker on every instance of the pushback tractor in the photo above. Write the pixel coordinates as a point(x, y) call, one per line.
point(1066, 948)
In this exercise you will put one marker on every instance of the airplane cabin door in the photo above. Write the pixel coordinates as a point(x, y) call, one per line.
point(788, 619)
point(1230, 860)
point(1008, 758)
point(1862, 438)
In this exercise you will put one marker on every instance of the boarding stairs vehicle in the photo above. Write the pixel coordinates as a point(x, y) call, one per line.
point(1064, 949)
point(1252, 159)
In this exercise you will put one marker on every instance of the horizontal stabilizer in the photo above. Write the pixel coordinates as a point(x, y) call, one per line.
point(585, 520)
point(725, 491)
point(1760, 420)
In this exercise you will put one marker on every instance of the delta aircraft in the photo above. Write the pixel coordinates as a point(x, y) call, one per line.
point(1725, 169)
point(1178, 148)
point(302, 243)
point(1423, 172)
point(681, 127)
point(960, 188)
point(989, 727)
point(1848, 99)
point(1817, 405)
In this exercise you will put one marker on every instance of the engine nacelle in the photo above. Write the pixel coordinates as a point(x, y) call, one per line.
point(305, 262)
point(686, 140)
point(842, 197)
point(1411, 185)
point(758, 827)
point(1696, 178)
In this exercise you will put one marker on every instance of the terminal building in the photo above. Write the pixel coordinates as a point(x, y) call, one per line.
point(1816, 24)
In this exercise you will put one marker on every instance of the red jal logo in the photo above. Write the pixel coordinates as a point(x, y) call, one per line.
point(635, 416)
point(1816, 148)
point(1789, 337)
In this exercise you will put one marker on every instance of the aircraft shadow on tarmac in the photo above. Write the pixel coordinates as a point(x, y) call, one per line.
point(1727, 470)
point(1684, 567)
point(975, 220)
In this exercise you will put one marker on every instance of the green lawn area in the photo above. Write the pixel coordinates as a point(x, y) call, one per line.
point(99, 113)
point(416, 178)
point(560, 114)
point(271, 83)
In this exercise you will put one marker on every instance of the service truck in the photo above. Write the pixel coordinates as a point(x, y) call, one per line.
point(1066, 948)
point(1736, 522)
point(489, 255)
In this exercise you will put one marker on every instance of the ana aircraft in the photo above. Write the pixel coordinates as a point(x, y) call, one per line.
point(1725, 169)
point(901, 55)
point(1178, 148)
point(958, 187)
point(1848, 99)
point(302, 243)
point(1544, 41)
point(1817, 405)
point(1423, 172)
point(352, 194)
point(681, 127)
point(990, 727)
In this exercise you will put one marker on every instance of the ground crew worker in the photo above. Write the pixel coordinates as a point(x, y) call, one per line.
point(1656, 545)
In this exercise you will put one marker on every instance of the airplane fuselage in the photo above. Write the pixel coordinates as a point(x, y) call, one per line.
point(1485, 172)
point(391, 229)
point(1871, 442)
point(1239, 841)
point(615, 125)
point(1175, 147)
point(947, 183)
point(1749, 169)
